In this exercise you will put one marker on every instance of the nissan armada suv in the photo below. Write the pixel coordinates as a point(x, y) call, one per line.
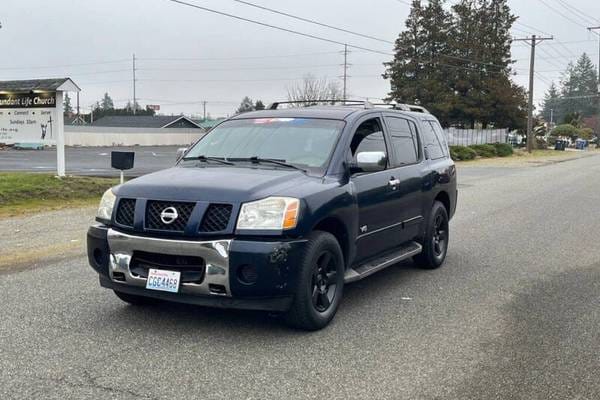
point(278, 209)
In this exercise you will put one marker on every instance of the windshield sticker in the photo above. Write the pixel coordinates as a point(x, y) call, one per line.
point(271, 120)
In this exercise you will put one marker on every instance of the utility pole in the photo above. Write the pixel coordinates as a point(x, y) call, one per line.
point(533, 41)
point(204, 110)
point(134, 98)
point(593, 29)
point(345, 76)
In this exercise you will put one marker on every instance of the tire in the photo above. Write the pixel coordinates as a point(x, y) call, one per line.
point(135, 300)
point(320, 283)
point(435, 242)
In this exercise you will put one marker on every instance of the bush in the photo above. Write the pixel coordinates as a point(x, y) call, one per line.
point(462, 153)
point(541, 144)
point(503, 149)
point(484, 150)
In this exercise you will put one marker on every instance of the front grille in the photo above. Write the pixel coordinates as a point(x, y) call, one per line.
point(191, 268)
point(125, 212)
point(155, 208)
point(216, 218)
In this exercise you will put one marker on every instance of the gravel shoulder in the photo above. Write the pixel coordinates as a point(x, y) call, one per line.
point(29, 240)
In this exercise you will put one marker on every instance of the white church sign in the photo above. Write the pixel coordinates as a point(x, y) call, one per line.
point(28, 118)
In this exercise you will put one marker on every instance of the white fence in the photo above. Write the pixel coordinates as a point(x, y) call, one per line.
point(467, 137)
point(106, 136)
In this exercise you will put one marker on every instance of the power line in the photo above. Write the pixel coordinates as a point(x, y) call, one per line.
point(65, 65)
point(575, 11)
point(310, 21)
point(561, 14)
point(308, 35)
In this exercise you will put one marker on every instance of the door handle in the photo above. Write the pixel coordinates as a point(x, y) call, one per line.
point(394, 183)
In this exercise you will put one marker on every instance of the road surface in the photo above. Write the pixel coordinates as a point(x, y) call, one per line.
point(88, 160)
point(513, 314)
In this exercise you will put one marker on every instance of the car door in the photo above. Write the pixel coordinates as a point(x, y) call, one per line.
point(408, 166)
point(378, 220)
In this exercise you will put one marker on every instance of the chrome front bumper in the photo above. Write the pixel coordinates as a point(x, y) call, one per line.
point(215, 254)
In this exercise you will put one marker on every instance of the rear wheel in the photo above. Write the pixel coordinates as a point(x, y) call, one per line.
point(435, 242)
point(320, 283)
point(135, 300)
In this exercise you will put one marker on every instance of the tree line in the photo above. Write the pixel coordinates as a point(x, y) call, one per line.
point(457, 63)
point(575, 97)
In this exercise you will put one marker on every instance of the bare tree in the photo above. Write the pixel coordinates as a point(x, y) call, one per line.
point(312, 89)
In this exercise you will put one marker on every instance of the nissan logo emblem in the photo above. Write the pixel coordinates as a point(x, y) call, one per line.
point(169, 215)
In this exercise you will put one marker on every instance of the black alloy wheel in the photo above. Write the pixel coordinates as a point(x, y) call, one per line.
point(324, 281)
point(320, 283)
point(436, 239)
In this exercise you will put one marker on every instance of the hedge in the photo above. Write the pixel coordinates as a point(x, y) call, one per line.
point(484, 150)
point(462, 153)
point(503, 149)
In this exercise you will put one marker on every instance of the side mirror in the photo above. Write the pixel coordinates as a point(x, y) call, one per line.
point(371, 161)
point(181, 152)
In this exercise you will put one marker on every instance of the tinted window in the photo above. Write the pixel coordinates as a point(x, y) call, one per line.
point(404, 141)
point(303, 141)
point(431, 142)
point(368, 137)
point(440, 135)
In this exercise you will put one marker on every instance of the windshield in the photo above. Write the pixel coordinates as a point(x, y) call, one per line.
point(304, 142)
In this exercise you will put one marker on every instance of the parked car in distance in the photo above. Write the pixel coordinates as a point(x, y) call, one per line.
point(278, 209)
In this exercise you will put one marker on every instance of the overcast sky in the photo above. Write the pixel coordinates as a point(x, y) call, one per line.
point(186, 56)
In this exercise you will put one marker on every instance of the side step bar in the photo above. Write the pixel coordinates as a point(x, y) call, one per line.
point(402, 253)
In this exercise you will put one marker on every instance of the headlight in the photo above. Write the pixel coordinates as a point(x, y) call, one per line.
point(275, 213)
point(106, 206)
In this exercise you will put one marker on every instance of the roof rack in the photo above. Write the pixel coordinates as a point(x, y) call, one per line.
point(366, 104)
point(403, 107)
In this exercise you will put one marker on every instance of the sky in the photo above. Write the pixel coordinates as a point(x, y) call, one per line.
point(187, 56)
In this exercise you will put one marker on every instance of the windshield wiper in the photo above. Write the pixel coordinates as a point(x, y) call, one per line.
point(258, 160)
point(205, 159)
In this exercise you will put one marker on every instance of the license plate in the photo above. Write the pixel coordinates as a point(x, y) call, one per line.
point(159, 279)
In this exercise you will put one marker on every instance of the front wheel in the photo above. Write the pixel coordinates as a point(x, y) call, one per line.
point(320, 283)
point(435, 242)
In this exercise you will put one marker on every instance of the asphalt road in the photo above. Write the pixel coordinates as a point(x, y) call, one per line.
point(513, 314)
point(88, 160)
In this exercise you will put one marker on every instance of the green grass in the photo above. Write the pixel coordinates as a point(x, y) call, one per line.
point(22, 193)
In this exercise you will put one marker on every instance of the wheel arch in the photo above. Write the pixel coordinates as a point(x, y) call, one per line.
point(338, 229)
point(444, 198)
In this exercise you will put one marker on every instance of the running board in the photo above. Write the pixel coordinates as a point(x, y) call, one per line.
point(402, 253)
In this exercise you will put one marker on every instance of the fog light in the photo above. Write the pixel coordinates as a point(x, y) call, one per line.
point(247, 274)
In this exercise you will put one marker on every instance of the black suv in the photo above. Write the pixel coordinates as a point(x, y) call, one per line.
point(279, 209)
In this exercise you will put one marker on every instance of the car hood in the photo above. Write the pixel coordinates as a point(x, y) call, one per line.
point(213, 184)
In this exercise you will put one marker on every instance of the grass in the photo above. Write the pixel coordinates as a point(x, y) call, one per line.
point(22, 192)
point(521, 157)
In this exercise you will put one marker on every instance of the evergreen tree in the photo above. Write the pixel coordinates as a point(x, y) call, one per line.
point(259, 105)
point(246, 105)
point(580, 81)
point(67, 107)
point(458, 64)
point(106, 103)
point(552, 107)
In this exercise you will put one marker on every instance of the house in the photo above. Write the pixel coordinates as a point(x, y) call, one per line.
point(146, 121)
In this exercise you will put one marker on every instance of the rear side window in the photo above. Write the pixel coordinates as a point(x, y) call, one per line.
point(404, 141)
point(439, 132)
point(431, 142)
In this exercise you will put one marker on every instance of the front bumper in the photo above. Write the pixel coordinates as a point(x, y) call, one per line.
point(110, 253)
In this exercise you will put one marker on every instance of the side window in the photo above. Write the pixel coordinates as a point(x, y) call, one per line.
point(404, 140)
point(440, 135)
point(368, 137)
point(431, 142)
